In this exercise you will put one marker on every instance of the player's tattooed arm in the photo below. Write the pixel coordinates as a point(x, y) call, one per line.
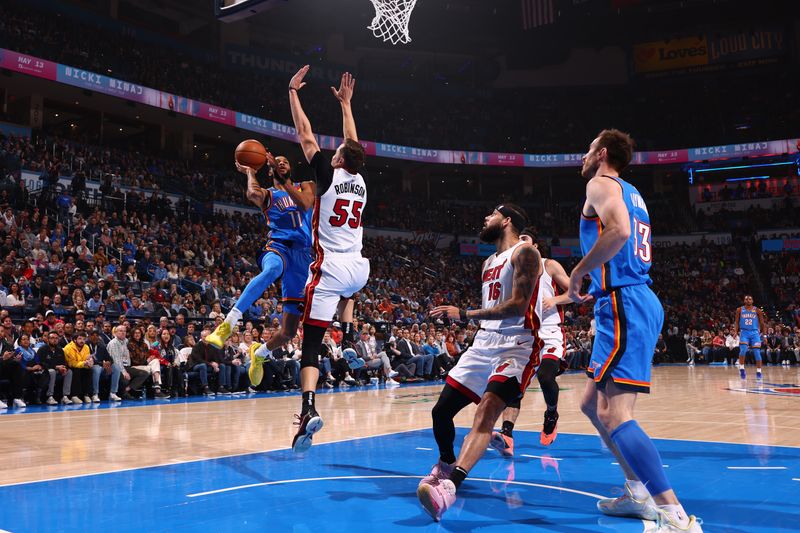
point(527, 262)
point(527, 265)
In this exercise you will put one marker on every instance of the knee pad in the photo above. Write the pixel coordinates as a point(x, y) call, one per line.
point(757, 353)
point(742, 350)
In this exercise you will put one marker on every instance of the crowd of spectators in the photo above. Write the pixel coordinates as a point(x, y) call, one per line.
point(474, 117)
point(77, 274)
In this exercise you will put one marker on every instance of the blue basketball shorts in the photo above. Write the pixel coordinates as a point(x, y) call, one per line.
point(750, 337)
point(295, 273)
point(628, 321)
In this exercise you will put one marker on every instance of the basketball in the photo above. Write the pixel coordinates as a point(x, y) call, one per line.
point(251, 153)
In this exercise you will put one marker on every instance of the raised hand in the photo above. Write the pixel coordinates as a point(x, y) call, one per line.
point(346, 87)
point(245, 170)
point(297, 82)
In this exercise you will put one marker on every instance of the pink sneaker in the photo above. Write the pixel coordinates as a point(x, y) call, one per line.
point(440, 470)
point(437, 496)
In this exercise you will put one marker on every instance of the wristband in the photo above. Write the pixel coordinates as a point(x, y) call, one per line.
point(462, 314)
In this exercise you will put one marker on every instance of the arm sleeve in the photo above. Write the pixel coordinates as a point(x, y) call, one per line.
point(323, 172)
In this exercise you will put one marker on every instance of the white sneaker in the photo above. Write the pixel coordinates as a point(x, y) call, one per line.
point(76, 400)
point(66, 401)
point(87, 399)
point(251, 390)
point(393, 374)
point(3, 405)
point(391, 383)
point(114, 398)
point(627, 505)
point(19, 403)
point(665, 524)
point(51, 401)
point(96, 398)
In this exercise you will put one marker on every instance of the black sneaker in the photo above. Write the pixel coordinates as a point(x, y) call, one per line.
point(223, 390)
point(309, 424)
point(126, 395)
point(549, 432)
point(161, 395)
point(207, 391)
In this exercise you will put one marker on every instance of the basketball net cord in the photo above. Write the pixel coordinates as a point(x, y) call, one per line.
point(391, 20)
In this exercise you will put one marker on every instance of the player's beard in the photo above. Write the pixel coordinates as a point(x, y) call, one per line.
point(491, 233)
point(588, 171)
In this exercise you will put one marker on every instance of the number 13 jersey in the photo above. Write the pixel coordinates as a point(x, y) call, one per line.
point(631, 265)
point(341, 199)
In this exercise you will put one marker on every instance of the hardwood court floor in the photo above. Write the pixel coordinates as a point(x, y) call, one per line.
point(686, 403)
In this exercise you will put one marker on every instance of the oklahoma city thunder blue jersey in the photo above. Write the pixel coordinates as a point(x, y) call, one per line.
point(748, 320)
point(286, 221)
point(632, 263)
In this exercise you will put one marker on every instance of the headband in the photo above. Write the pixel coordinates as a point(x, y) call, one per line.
point(518, 220)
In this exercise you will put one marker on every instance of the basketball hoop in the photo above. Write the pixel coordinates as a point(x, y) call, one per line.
point(391, 20)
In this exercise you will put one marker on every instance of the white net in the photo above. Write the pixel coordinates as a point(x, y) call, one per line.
point(391, 20)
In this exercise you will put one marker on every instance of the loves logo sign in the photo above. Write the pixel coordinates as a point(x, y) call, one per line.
point(673, 54)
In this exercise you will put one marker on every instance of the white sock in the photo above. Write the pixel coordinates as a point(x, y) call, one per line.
point(677, 514)
point(233, 317)
point(263, 351)
point(638, 489)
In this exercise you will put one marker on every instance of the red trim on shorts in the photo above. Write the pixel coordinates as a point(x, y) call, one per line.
point(318, 323)
point(498, 378)
point(533, 364)
point(551, 356)
point(463, 390)
point(315, 267)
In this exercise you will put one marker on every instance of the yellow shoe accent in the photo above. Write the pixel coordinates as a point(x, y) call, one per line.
point(256, 371)
point(220, 335)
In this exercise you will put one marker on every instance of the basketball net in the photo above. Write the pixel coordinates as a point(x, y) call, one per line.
point(391, 20)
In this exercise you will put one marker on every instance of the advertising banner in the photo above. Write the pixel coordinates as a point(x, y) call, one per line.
point(101, 83)
point(670, 55)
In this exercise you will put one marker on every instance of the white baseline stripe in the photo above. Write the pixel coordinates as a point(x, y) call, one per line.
point(426, 449)
point(757, 468)
point(334, 478)
point(174, 462)
point(539, 457)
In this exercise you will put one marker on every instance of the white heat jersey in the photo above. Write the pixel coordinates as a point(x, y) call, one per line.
point(337, 220)
point(545, 288)
point(498, 276)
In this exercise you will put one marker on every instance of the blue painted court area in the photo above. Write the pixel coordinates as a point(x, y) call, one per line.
point(369, 484)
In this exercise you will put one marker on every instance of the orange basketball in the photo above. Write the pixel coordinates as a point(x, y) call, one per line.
point(251, 153)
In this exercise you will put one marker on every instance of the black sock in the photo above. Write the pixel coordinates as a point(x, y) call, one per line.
point(308, 402)
point(458, 476)
point(448, 456)
point(551, 408)
point(508, 428)
point(347, 330)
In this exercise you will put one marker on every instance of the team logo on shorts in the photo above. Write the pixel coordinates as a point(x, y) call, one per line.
point(770, 389)
point(505, 364)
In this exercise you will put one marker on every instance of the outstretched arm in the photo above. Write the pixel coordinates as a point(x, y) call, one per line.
point(527, 265)
point(561, 278)
point(344, 95)
point(301, 123)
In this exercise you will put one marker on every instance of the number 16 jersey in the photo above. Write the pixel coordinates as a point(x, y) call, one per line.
point(497, 285)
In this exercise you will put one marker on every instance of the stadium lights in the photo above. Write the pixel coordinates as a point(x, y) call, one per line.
point(782, 163)
point(749, 178)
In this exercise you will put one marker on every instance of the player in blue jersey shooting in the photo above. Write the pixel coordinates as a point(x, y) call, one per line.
point(750, 325)
point(286, 255)
point(617, 254)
